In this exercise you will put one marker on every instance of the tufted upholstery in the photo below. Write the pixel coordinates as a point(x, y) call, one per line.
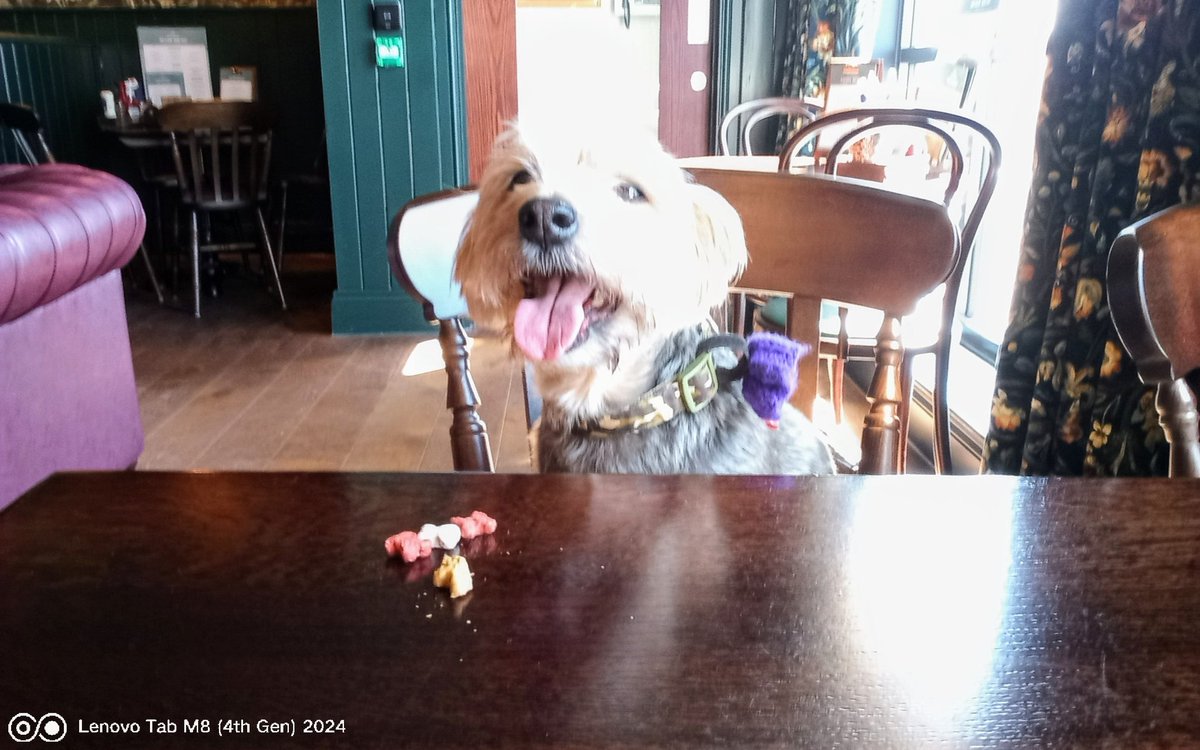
point(61, 226)
point(67, 394)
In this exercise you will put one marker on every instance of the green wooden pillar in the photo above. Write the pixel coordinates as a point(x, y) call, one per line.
point(393, 133)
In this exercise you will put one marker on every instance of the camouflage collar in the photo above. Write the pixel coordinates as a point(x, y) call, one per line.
point(689, 391)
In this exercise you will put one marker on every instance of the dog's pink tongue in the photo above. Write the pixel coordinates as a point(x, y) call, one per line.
point(548, 324)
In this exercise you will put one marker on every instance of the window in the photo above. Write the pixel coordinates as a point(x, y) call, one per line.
point(1004, 42)
point(995, 49)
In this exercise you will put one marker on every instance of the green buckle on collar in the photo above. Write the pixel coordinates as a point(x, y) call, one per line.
point(701, 366)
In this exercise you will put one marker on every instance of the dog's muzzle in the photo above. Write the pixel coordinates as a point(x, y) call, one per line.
point(548, 222)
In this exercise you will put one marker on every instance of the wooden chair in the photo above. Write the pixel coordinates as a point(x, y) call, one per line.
point(1154, 299)
point(312, 180)
point(22, 122)
point(222, 155)
point(757, 110)
point(422, 243)
point(909, 245)
point(151, 152)
point(972, 151)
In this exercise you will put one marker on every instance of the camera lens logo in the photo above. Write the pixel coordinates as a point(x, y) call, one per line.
point(25, 728)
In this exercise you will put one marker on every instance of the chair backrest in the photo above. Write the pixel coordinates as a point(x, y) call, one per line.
point(816, 237)
point(422, 244)
point(980, 143)
point(757, 110)
point(221, 150)
point(1154, 299)
point(23, 123)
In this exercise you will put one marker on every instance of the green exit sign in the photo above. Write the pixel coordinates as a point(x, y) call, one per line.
point(389, 51)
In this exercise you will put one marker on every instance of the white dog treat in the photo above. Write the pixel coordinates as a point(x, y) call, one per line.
point(446, 536)
point(429, 533)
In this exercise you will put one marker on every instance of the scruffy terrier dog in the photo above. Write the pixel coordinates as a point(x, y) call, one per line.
point(603, 264)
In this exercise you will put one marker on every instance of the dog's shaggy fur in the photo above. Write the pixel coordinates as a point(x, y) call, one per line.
point(605, 287)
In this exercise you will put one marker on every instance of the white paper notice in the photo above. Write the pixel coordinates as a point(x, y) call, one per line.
point(156, 91)
point(237, 91)
point(175, 54)
point(698, 14)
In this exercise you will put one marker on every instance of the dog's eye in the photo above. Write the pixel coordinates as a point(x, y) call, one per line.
point(520, 178)
point(630, 193)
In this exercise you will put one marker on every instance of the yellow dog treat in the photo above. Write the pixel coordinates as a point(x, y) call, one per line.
point(453, 574)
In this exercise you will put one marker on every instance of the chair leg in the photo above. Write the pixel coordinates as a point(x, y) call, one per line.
point(837, 376)
point(195, 237)
point(837, 383)
point(268, 254)
point(176, 250)
point(283, 199)
point(150, 271)
point(905, 409)
point(941, 409)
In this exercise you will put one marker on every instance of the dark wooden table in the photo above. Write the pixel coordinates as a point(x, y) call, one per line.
point(608, 611)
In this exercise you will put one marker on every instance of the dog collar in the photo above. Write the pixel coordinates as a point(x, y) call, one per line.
point(689, 391)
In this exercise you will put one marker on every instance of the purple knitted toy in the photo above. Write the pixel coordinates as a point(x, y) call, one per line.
point(770, 374)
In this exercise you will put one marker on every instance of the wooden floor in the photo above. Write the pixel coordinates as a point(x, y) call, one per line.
point(251, 387)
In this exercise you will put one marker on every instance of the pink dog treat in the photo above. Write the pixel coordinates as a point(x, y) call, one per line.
point(406, 545)
point(485, 521)
point(470, 527)
point(476, 524)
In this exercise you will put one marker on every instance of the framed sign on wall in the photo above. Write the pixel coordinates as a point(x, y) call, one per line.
point(174, 62)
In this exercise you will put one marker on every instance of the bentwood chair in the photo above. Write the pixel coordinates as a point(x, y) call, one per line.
point(909, 244)
point(222, 156)
point(1154, 299)
point(965, 152)
point(756, 111)
point(22, 122)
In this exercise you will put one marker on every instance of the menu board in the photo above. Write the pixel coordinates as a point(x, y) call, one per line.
point(174, 62)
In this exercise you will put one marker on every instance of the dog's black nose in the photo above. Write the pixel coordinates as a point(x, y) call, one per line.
point(548, 221)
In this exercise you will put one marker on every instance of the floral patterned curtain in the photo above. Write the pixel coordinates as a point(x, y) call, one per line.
point(807, 34)
point(1118, 138)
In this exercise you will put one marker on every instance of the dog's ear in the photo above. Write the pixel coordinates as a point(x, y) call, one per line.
point(479, 284)
point(720, 241)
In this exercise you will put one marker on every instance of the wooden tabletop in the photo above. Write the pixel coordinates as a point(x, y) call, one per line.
point(608, 611)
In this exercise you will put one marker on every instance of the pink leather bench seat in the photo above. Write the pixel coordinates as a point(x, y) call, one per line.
point(67, 393)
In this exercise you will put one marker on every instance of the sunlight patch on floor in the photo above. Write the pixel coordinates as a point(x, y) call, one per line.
point(426, 357)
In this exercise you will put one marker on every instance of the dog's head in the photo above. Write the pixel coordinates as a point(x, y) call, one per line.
point(581, 252)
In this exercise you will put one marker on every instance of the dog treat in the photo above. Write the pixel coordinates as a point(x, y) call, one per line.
point(446, 536)
point(476, 524)
point(453, 574)
point(408, 546)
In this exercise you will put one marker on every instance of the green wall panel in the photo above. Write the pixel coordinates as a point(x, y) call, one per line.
point(54, 75)
point(393, 134)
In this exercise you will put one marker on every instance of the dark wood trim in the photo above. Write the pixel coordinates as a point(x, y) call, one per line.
point(469, 444)
point(684, 115)
point(490, 40)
